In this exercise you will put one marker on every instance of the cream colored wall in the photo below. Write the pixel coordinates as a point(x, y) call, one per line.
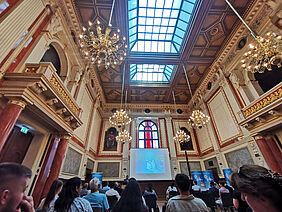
point(85, 103)
point(95, 130)
point(13, 27)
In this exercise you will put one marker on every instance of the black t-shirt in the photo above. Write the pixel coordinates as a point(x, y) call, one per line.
point(243, 206)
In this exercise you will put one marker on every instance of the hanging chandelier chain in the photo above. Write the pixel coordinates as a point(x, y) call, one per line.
point(188, 83)
point(238, 15)
point(175, 107)
point(122, 87)
point(112, 10)
point(125, 101)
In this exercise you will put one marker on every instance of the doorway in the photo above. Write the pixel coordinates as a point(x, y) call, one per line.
point(16, 146)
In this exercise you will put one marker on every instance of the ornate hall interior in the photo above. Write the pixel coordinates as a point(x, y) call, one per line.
point(85, 82)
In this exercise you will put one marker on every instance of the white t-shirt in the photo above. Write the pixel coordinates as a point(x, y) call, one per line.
point(112, 192)
point(196, 188)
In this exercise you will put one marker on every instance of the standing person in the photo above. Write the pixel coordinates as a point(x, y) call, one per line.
point(169, 189)
point(47, 204)
point(260, 188)
point(213, 190)
point(150, 197)
point(95, 198)
point(118, 188)
point(126, 180)
point(185, 201)
point(195, 186)
point(131, 199)
point(14, 179)
point(69, 200)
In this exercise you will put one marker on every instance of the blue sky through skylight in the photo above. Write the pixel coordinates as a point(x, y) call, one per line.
point(158, 25)
point(150, 72)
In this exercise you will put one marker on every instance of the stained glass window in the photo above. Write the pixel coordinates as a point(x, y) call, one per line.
point(158, 25)
point(150, 72)
point(148, 135)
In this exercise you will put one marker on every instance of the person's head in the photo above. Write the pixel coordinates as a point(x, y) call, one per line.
point(260, 187)
point(211, 183)
point(131, 198)
point(14, 179)
point(172, 185)
point(85, 186)
point(111, 184)
point(150, 186)
point(182, 182)
point(117, 184)
point(195, 182)
point(70, 191)
point(55, 189)
point(94, 185)
point(127, 176)
point(222, 183)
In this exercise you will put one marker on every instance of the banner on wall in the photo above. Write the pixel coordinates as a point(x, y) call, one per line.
point(199, 177)
point(208, 177)
point(227, 173)
point(98, 176)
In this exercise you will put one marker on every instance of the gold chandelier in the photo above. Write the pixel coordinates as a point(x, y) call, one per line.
point(180, 136)
point(120, 118)
point(264, 52)
point(101, 45)
point(198, 119)
point(123, 136)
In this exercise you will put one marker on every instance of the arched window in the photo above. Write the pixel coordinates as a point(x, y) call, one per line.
point(148, 135)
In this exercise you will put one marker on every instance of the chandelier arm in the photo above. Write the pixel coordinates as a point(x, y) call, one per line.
point(110, 20)
point(187, 79)
point(238, 15)
point(122, 89)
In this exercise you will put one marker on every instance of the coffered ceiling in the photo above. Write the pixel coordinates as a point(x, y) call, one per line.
point(211, 26)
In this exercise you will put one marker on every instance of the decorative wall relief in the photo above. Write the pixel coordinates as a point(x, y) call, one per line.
point(238, 158)
point(110, 143)
point(109, 169)
point(194, 166)
point(188, 145)
point(72, 162)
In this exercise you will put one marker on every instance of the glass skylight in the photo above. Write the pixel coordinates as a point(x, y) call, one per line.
point(158, 25)
point(150, 72)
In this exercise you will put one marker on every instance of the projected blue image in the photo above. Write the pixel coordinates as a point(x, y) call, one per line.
point(148, 163)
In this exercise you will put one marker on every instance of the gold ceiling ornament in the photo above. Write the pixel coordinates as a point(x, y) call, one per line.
point(264, 52)
point(197, 119)
point(123, 137)
point(180, 136)
point(101, 45)
point(120, 118)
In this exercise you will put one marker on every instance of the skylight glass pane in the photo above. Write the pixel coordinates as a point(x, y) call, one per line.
point(157, 21)
point(151, 72)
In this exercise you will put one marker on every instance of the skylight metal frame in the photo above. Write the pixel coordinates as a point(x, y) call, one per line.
point(185, 9)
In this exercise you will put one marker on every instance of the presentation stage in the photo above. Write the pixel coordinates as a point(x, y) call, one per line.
point(150, 164)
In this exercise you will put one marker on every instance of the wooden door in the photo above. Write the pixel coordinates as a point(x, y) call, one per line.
point(16, 146)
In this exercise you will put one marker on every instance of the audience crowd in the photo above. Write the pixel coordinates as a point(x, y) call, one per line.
point(255, 189)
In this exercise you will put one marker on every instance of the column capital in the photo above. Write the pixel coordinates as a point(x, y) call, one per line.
point(20, 102)
point(65, 136)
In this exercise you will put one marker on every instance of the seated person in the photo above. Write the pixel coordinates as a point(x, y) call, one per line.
point(97, 199)
point(169, 189)
point(106, 187)
point(195, 186)
point(185, 201)
point(112, 192)
point(213, 190)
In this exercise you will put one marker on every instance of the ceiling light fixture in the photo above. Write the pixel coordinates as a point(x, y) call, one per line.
point(264, 51)
point(101, 45)
point(198, 119)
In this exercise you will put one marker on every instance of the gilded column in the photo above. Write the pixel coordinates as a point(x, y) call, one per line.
point(8, 118)
point(57, 163)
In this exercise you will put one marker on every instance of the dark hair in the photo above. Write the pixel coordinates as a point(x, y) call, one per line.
point(56, 185)
point(68, 194)
point(150, 187)
point(85, 185)
point(111, 184)
point(131, 199)
point(10, 171)
point(182, 181)
point(259, 182)
point(195, 182)
point(212, 183)
point(172, 185)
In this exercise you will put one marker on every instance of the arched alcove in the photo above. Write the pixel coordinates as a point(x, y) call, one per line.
point(51, 55)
